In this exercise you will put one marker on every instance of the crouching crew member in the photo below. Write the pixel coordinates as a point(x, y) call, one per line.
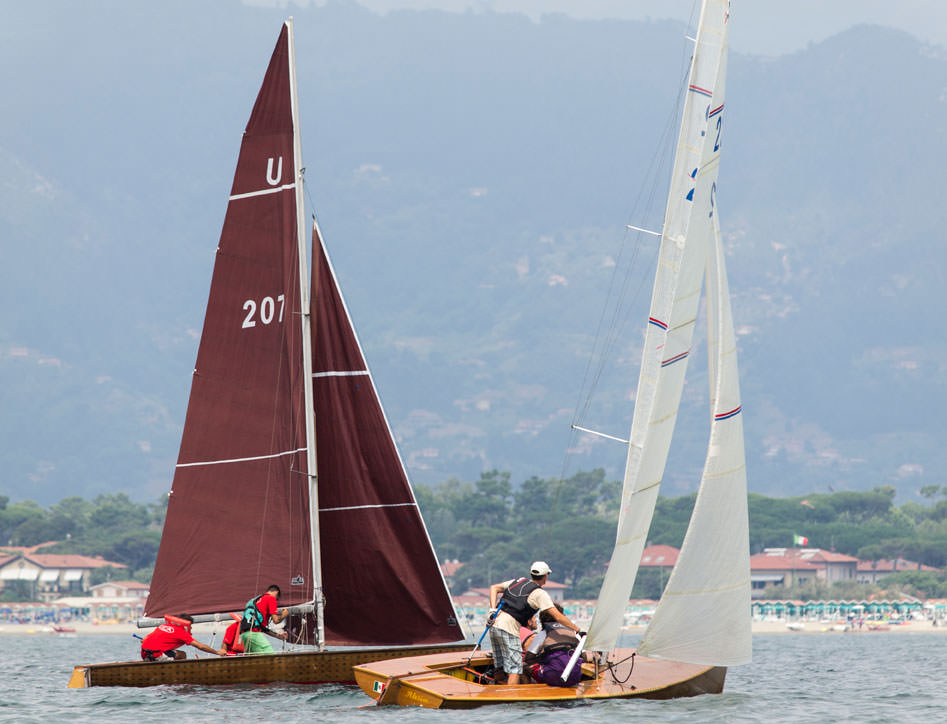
point(163, 643)
point(547, 652)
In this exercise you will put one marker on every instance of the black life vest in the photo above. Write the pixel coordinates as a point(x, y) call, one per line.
point(514, 600)
point(252, 616)
point(558, 638)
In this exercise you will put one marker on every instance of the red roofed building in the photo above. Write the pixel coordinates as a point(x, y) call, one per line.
point(448, 569)
point(51, 575)
point(774, 567)
point(874, 571)
point(835, 566)
point(795, 566)
point(659, 556)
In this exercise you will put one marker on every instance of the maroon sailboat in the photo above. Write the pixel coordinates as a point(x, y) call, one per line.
point(288, 472)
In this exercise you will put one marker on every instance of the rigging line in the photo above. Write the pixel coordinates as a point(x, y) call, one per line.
point(606, 340)
point(620, 317)
point(660, 164)
point(651, 189)
point(610, 666)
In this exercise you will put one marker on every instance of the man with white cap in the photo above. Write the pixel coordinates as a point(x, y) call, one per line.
point(521, 599)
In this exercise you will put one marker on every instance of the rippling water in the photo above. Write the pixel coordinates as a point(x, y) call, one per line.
point(801, 678)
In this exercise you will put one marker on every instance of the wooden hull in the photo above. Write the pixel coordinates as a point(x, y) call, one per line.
point(298, 667)
point(434, 681)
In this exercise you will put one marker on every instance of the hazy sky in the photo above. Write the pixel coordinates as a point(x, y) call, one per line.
point(764, 27)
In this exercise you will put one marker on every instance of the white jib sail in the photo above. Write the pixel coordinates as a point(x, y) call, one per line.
point(685, 241)
point(711, 582)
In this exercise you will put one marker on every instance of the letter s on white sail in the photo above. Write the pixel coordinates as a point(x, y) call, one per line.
point(269, 172)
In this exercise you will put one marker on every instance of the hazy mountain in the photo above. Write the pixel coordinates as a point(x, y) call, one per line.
point(472, 175)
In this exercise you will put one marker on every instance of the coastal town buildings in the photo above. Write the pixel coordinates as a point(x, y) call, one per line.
point(48, 576)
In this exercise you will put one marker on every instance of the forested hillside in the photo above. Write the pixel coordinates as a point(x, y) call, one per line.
point(472, 175)
point(498, 530)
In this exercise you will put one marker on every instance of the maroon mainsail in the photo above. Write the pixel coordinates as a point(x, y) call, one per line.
point(239, 511)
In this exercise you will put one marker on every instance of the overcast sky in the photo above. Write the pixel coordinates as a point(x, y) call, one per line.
point(763, 27)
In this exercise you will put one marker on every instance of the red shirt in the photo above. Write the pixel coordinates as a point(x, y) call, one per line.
point(232, 638)
point(167, 637)
point(266, 606)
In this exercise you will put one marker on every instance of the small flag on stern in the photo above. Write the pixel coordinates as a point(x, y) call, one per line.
point(800, 540)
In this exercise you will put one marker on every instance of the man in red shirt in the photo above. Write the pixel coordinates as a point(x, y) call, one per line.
point(162, 643)
point(257, 615)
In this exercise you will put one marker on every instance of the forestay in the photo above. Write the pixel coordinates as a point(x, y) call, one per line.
point(686, 239)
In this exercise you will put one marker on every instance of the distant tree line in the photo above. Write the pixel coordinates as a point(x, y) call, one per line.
point(111, 526)
point(497, 531)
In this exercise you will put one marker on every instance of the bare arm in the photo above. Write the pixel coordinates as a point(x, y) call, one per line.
point(495, 590)
point(204, 647)
point(562, 618)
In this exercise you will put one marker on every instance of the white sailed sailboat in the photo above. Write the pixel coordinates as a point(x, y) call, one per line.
point(288, 472)
point(702, 622)
point(711, 581)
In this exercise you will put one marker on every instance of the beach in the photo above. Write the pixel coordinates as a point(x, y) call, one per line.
point(204, 631)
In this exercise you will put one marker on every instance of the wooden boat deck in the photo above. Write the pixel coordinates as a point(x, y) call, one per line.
point(435, 681)
point(298, 667)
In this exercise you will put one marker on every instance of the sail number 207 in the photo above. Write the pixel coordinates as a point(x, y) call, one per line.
point(265, 311)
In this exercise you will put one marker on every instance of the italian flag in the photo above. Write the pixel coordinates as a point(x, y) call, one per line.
point(800, 540)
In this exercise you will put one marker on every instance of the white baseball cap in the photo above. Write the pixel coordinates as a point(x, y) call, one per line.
point(540, 568)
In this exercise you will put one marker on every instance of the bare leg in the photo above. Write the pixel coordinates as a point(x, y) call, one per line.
point(512, 679)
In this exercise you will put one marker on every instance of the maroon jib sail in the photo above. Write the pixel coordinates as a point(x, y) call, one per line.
point(380, 575)
point(240, 510)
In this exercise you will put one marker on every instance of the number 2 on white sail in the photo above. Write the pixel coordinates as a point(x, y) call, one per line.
point(267, 309)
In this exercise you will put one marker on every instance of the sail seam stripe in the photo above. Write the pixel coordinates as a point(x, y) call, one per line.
point(690, 322)
point(710, 165)
point(701, 91)
point(724, 473)
point(362, 507)
point(343, 373)
point(242, 460)
point(646, 487)
point(626, 541)
point(263, 192)
point(659, 420)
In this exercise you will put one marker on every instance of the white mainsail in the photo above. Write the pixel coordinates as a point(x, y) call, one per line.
point(687, 236)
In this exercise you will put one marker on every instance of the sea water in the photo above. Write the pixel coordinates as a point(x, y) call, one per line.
point(794, 678)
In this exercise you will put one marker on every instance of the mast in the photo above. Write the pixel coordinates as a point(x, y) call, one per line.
point(305, 322)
